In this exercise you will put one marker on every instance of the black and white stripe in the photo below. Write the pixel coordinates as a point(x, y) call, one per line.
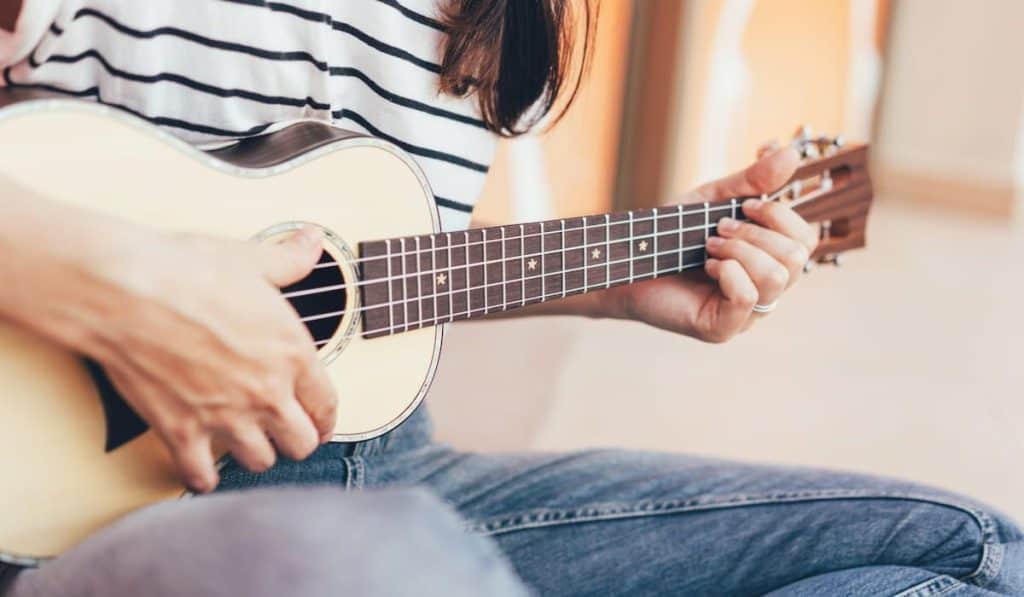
point(214, 70)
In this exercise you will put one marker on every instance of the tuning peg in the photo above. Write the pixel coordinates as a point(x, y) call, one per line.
point(809, 151)
point(803, 133)
point(835, 259)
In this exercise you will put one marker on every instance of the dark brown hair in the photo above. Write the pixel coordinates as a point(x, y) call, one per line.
point(517, 56)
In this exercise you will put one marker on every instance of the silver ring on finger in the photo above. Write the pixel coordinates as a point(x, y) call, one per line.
point(759, 308)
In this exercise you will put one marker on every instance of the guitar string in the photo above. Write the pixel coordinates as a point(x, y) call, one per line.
point(366, 282)
point(680, 251)
point(448, 318)
point(504, 307)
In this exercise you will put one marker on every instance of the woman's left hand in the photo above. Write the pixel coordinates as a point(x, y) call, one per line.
point(751, 263)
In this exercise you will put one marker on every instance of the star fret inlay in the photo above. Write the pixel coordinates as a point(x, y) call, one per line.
point(642, 246)
point(596, 253)
point(532, 264)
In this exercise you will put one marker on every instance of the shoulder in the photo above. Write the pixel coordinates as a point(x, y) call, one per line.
point(22, 24)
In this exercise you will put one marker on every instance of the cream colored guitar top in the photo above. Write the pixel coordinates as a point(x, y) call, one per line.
point(74, 456)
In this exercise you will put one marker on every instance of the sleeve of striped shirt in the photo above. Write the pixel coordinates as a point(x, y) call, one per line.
point(29, 26)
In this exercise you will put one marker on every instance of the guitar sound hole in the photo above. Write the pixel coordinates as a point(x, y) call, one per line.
point(319, 299)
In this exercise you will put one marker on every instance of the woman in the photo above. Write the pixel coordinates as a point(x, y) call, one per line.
point(443, 82)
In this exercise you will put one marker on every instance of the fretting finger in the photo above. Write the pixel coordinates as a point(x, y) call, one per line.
point(790, 253)
point(783, 220)
point(768, 275)
point(730, 315)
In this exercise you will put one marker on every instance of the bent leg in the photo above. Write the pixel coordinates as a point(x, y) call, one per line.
point(299, 542)
point(599, 523)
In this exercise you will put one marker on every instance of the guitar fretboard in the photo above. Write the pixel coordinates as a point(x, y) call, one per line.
point(418, 281)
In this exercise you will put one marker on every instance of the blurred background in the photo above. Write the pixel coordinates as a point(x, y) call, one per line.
point(905, 361)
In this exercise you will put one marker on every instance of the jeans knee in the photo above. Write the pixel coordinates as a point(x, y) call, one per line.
point(967, 542)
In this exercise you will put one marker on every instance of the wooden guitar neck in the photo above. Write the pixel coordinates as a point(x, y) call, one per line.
point(419, 281)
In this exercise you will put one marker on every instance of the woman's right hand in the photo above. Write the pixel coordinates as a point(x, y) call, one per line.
point(203, 346)
point(193, 331)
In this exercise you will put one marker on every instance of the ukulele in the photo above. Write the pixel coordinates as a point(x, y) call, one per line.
point(75, 456)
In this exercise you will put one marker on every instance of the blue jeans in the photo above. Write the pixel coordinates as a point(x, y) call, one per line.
point(589, 523)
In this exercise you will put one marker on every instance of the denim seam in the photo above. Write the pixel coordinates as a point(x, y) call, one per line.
point(355, 472)
point(987, 569)
point(933, 587)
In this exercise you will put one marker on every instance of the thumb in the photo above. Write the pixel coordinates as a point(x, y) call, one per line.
point(767, 174)
point(293, 258)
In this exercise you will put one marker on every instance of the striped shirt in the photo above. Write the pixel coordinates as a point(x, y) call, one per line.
point(212, 71)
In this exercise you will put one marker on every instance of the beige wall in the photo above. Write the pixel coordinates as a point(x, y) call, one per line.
point(579, 154)
point(950, 128)
point(754, 71)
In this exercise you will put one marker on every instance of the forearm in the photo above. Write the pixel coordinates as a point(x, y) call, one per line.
point(52, 260)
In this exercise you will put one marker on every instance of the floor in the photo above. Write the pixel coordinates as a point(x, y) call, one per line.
point(905, 361)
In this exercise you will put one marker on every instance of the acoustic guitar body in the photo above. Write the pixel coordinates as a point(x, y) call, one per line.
point(73, 457)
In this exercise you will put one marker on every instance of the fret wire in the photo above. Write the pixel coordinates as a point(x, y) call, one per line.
point(631, 239)
point(680, 235)
point(607, 250)
point(484, 232)
point(504, 274)
point(563, 258)
point(433, 268)
point(451, 281)
point(543, 291)
point(391, 315)
point(522, 265)
point(654, 265)
point(419, 284)
point(586, 263)
point(469, 305)
point(733, 202)
point(405, 292)
point(707, 228)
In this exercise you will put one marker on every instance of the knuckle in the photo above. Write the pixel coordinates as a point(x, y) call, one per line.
point(181, 432)
point(778, 277)
point(797, 256)
point(746, 299)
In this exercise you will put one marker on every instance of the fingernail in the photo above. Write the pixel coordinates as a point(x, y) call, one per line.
point(753, 204)
point(715, 242)
point(728, 225)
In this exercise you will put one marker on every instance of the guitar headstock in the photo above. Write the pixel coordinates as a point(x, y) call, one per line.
point(832, 189)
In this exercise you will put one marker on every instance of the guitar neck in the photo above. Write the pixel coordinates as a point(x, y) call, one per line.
point(418, 281)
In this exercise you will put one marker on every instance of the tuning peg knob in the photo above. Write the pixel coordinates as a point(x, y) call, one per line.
point(835, 259)
point(803, 133)
point(809, 151)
